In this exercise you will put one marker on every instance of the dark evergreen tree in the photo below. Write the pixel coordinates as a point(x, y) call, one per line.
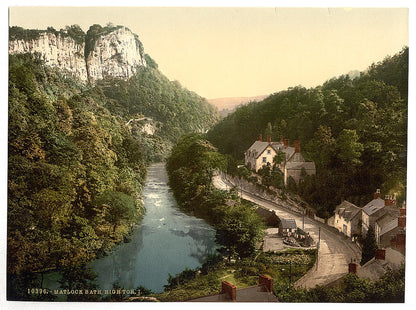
point(369, 246)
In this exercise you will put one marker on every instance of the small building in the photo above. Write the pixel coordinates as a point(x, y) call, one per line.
point(262, 154)
point(381, 224)
point(376, 209)
point(347, 219)
point(384, 260)
point(393, 233)
point(263, 292)
point(287, 227)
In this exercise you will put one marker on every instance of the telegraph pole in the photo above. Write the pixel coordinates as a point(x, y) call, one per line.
point(317, 247)
point(303, 220)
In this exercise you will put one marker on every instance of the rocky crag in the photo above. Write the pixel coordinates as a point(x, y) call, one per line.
point(101, 52)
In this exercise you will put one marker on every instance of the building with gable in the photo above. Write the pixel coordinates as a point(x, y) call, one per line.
point(376, 209)
point(348, 219)
point(384, 260)
point(287, 227)
point(262, 154)
point(388, 221)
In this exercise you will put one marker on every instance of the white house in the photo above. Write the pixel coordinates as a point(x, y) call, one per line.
point(347, 219)
point(262, 153)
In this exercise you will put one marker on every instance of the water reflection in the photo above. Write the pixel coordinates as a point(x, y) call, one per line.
point(167, 242)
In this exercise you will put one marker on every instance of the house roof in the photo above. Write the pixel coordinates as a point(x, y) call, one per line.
point(288, 223)
point(383, 220)
point(289, 151)
point(293, 165)
point(347, 210)
point(260, 146)
point(375, 268)
point(373, 206)
point(389, 226)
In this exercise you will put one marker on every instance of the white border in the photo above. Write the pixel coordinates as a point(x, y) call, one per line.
point(411, 202)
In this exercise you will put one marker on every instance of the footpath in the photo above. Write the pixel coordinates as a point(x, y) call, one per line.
point(335, 250)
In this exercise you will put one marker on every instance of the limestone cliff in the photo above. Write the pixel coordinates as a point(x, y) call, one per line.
point(56, 50)
point(115, 52)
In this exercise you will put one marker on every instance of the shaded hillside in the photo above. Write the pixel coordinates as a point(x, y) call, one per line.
point(354, 129)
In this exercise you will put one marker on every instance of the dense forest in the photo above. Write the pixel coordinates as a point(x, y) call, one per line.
point(77, 158)
point(355, 130)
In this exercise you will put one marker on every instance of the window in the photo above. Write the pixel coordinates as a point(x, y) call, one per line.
point(264, 159)
point(269, 152)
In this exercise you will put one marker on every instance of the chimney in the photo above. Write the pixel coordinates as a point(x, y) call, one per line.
point(377, 194)
point(267, 282)
point(269, 139)
point(380, 254)
point(281, 139)
point(260, 138)
point(230, 289)
point(297, 146)
point(352, 267)
point(403, 209)
point(387, 201)
point(401, 221)
point(286, 143)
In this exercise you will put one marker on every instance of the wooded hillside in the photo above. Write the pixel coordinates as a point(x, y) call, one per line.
point(354, 129)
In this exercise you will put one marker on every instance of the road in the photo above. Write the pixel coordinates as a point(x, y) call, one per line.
point(335, 251)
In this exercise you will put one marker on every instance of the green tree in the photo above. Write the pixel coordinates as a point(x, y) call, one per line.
point(279, 158)
point(239, 232)
point(348, 148)
point(369, 246)
point(117, 207)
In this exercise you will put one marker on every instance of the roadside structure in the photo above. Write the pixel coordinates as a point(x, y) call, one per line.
point(347, 219)
point(287, 227)
point(384, 260)
point(262, 292)
point(377, 208)
point(388, 221)
point(293, 164)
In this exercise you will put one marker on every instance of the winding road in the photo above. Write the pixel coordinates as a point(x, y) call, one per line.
point(335, 250)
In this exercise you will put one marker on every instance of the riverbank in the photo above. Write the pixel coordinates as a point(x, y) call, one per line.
point(167, 242)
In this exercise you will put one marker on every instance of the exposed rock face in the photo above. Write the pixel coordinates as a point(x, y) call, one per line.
point(116, 54)
point(56, 51)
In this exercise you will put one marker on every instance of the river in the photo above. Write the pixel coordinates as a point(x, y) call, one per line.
point(166, 242)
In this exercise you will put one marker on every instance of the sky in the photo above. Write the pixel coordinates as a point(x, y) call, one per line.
point(245, 51)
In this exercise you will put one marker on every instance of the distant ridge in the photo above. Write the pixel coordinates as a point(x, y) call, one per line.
point(228, 104)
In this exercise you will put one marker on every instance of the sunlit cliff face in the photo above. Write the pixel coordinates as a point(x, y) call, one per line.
point(116, 54)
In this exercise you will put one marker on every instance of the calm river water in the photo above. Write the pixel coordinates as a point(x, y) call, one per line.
point(167, 242)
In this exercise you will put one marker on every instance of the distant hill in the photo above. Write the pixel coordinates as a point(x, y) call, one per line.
point(227, 105)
